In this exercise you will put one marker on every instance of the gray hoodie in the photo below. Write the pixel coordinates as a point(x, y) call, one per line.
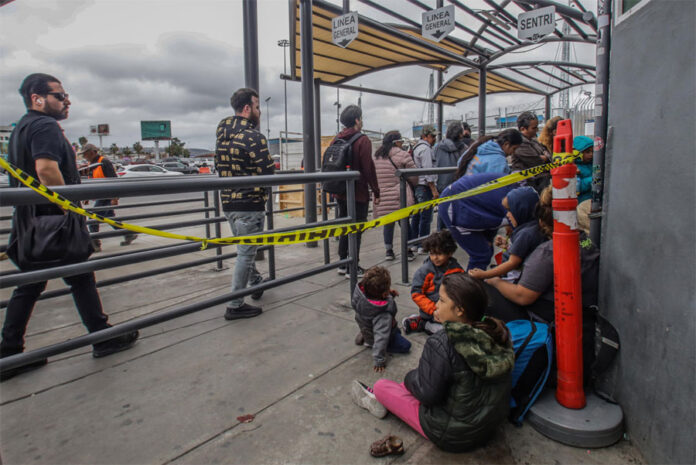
point(446, 154)
point(375, 322)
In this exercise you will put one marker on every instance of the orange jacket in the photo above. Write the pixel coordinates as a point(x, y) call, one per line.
point(425, 286)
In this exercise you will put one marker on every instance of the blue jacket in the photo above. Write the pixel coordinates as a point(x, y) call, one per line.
point(489, 158)
point(584, 180)
point(479, 212)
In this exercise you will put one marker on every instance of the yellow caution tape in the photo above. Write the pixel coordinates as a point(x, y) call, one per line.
point(291, 237)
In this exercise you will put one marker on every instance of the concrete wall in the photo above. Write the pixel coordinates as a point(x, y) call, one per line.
point(648, 273)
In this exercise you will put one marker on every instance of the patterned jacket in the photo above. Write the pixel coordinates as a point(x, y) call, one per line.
point(425, 286)
point(241, 150)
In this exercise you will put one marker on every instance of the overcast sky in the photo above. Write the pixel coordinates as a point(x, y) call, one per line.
point(123, 61)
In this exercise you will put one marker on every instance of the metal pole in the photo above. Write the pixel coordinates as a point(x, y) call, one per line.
point(403, 225)
point(346, 6)
point(482, 102)
point(338, 110)
point(324, 217)
point(317, 142)
point(308, 128)
point(440, 3)
point(269, 223)
point(206, 204)
point(268, 123)
point(352, 238)
point(285, 44)
point(251, 45)
point(601, 127)
point(547, 107)
point(218, 230)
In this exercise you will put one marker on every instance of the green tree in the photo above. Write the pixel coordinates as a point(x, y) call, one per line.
point(176, 148)
point(126, 150)
point(138, 148)
point(113, 150)
point(82, 140)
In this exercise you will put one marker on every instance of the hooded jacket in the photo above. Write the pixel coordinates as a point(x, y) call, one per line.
point(584, 179)
point(522, 203)
point(463, 383)
point(241, 150)
point(425, 286)
point(376, 322)
point(489, 158)
point(447, 152)
point(527, 235)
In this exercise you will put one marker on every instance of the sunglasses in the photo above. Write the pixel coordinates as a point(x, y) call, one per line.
point(60, 96)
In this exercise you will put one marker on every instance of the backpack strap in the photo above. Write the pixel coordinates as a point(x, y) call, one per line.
point(521, 348)
point(355, 137)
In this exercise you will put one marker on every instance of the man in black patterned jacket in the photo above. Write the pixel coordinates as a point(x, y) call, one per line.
point(241, 150)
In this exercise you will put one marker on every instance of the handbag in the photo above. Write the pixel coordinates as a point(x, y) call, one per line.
point(39, 241)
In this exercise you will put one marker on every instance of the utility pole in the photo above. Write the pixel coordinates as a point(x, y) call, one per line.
point(338, 111)
point(268, 120)
point(285, 44)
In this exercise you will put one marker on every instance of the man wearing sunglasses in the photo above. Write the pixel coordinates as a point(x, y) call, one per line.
point(38, 147)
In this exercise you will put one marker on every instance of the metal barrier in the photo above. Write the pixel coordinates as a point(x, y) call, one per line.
point(132, 188)
point(404, 223)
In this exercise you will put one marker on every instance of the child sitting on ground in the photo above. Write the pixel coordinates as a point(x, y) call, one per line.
point(526, 234)
point(426, 281)
point(375, 312)
point(460, 392)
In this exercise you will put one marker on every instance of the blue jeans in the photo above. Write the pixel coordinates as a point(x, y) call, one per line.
point(106, 213)
point(420, 223)
point(389, 234)
point(397, 343)
point(245, 272)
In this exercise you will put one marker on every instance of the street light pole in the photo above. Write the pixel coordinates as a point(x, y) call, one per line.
point(338, 111)
point(285, 44)
point(268, 120)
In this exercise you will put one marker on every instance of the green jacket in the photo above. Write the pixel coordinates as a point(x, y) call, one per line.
point(463, 383)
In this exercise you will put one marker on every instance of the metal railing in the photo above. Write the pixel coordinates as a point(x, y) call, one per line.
point(403, 174)
point(132, 188)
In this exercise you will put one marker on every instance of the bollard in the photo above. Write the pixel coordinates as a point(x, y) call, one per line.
point(566, 275)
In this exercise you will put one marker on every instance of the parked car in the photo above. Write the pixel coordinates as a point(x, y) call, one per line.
point(180, 167)
point(145, 171)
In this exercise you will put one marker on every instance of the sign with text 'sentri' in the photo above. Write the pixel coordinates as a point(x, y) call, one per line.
point(535, 24)
point(344, 29)
point(437, 24)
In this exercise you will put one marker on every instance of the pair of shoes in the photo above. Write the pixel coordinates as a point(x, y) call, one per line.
point(361, 272)
point(410, 256)
point(117, 344)
point(421, 251)
point(12, 372)
point(367, 400)
point(128, 239)
point(388, 445)
point(343, 269)
point(258, 294)
point(96, 245)
point(413, 324)
point(359, 339)
point(390, 255)
point(245, 311)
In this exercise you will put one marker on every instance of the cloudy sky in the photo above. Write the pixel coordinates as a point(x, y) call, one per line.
point(123, 61)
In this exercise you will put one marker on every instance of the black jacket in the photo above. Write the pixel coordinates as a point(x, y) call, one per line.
point(463, 383)
point(241, 150)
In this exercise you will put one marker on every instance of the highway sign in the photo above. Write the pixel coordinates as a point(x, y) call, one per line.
point(437, 24)
point(155, 130)
point(344, 29)
point(536, 24)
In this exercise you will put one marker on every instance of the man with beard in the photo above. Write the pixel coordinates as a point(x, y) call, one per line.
point(39, 148)
point(241, 150)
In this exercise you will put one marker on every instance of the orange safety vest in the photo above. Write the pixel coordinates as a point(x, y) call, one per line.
point(98, 172)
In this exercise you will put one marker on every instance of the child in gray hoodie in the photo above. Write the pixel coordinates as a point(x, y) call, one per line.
point(375, 312)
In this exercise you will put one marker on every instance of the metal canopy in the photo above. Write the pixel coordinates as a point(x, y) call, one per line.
point(482, 37)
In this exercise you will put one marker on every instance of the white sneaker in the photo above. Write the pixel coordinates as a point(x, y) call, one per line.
point(421, 251)
point(367, 400)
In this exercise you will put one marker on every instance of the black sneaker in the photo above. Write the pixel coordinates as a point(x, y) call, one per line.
point(245, 311)
point(258, 294)
point(413, 324)
point(12, 372)
point(117, 344)
point(390, 255)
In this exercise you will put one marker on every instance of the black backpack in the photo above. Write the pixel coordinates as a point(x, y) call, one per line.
point(338, 157)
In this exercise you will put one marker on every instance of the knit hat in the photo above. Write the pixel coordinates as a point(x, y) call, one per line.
point(582, 143)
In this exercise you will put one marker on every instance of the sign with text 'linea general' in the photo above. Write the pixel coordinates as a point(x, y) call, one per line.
point(437, 24)
point(536, 24)
point(344, 29)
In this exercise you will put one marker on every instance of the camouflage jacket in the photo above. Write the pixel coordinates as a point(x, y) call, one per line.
point(241, 150)
point(463, 383)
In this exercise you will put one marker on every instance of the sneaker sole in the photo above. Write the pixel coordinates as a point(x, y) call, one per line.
point(363, 399)
point(114, 350)
point(241, 316)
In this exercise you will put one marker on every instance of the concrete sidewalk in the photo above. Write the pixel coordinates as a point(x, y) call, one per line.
point(175, 397)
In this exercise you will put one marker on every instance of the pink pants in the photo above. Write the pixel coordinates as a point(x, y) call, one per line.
point(396, 398)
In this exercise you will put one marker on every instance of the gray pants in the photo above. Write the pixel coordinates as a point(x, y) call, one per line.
point(245, 272)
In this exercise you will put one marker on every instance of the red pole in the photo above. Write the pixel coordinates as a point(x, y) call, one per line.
point(566, 275)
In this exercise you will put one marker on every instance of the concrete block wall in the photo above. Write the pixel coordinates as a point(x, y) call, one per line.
point(648, 261)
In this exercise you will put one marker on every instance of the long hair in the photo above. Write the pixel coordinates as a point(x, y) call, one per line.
point(546, 136)
point(387, 144)
point(544, 212)
point(510, 135)
point(468, 293)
